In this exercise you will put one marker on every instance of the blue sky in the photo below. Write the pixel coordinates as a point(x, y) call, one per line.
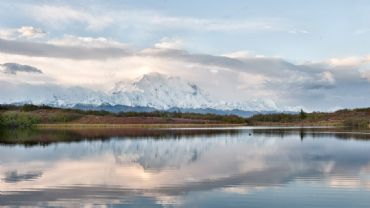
point(325, 41)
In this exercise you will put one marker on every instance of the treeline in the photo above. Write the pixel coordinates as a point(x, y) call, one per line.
point(194, 116)
point(29, 115)
point(354, 118)
point(286, 117)
point(279, 117)
point(30, 108)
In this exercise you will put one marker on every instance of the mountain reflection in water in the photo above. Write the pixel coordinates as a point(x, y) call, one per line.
point(186, 167)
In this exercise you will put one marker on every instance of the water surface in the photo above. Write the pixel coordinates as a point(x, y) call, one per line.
point(237, 167)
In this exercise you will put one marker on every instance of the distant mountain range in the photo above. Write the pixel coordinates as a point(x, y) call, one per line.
point(123, 108)
point(150, 92)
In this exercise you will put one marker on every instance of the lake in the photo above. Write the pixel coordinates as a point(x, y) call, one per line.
point(221, 167)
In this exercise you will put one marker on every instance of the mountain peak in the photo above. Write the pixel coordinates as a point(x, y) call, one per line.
point(160, 91)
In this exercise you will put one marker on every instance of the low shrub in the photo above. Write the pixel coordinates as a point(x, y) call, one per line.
point(356, 123)
point(278, 117)
point(63, 117)
point(13, 119)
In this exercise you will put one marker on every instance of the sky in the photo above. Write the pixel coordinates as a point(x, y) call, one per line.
point(299, 54)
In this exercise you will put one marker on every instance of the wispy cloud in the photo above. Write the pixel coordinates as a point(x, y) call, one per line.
point(36, 49)
point(25, 32)
point(57, 16)
point(362, 31)
point(298, 31)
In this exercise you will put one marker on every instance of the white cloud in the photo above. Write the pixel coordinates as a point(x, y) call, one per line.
point(239, 54)
point(327, 77)
point(31, 32)
point(352, 61)
point(25, 32)
point(298, 32)
point(90, 42)
point(209, 24)
point(214, 71)
point(170, 43)
point(7, 34)
point(84, 49)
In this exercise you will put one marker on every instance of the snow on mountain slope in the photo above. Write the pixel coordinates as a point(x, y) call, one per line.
point(160, 92)
point(52, 95)
point(152, 90)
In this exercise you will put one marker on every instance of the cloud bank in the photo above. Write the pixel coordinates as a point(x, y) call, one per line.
point(36, 49)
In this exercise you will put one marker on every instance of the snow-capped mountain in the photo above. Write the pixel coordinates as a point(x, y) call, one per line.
point(154, 91)
point(165, 92)
point(159, 91)
point(49, 94)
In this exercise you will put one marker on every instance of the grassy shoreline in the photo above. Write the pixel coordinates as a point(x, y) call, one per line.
point(72, 126)
point(129, 126)
point(30, 116)
point(298, 124)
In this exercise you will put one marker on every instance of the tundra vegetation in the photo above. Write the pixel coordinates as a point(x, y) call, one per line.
point(26, 116)
point(353, 118)
point(29, 115)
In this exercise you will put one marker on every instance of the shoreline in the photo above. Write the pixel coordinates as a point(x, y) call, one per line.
point(166, 126)
point(129, 126)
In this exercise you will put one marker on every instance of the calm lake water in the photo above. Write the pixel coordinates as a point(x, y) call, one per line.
point(239, 167)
